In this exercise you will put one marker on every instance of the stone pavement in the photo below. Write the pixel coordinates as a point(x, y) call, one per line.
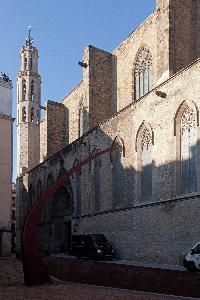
point(12, 288)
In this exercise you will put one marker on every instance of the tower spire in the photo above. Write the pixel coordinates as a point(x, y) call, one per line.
point(29, 39)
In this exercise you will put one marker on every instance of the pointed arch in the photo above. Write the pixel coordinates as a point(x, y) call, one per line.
point(177, 119)
point(142, 72)
point(186, 124)
point(118, 143)
point(147, 126)
point(144, 144)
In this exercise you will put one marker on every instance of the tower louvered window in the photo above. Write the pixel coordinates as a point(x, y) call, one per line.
point(23, 114)
point(23, 89)
point(32, 115)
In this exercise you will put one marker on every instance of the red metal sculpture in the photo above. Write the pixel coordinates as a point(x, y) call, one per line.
point(35, 271)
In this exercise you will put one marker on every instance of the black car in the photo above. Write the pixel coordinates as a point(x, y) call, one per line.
point(94, 246)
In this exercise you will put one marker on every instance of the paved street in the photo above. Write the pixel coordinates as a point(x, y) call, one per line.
point(12, 288)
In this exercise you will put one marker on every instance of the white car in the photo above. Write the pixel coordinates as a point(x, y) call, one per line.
point(192, 260)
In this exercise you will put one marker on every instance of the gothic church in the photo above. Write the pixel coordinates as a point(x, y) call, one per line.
point(145, 98)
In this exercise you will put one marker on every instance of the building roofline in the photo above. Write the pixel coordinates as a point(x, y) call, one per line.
point(73, 89)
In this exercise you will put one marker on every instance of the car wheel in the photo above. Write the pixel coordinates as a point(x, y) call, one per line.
point(191, 267)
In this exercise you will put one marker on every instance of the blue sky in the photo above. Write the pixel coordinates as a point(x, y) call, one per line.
point(61, 29)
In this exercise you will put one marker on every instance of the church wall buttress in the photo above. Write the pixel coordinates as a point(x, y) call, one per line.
point(53, 130)
point(98, 81)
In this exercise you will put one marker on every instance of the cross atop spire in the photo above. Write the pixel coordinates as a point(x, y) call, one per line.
point(29, 39)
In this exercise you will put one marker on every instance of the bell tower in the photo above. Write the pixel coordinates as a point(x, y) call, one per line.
point(28, 108)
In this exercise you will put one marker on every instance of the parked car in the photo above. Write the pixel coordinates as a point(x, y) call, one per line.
point(94, 246)
point(192, 260)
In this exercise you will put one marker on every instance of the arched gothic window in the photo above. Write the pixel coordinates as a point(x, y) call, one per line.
point(32, 90)
point(118, 173)
point(143, 73)
point(23, 89)
point(32, 115)
point(23, 114)
point(97, 183)
point(144, 155)
point(25, 63)
point(186, 132)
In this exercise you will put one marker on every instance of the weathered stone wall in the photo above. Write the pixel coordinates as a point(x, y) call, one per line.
point(126, 53)
point(43, 139)
point(73, 102)
point(154, 233)
point(53, 135)
point(99, 80)
point(28, 135)
point(148, 232)
point(182, 34)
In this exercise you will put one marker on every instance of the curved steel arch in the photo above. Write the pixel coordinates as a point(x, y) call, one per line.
point(35, 271)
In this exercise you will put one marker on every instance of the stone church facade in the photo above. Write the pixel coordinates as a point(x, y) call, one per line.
point(144, 97)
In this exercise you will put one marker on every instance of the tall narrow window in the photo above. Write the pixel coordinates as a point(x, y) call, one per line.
point(23, 89)
point(143, 73)
point(23, 114)
point(146, 162)
point(32, 115)
point(144, 144)
point(25, 63)
point(97, 185)
point(188, 151)
point(32, 90)
point(118, 176)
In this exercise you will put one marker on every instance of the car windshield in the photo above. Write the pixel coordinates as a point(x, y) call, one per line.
point(196, 250)
point(99, 239)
